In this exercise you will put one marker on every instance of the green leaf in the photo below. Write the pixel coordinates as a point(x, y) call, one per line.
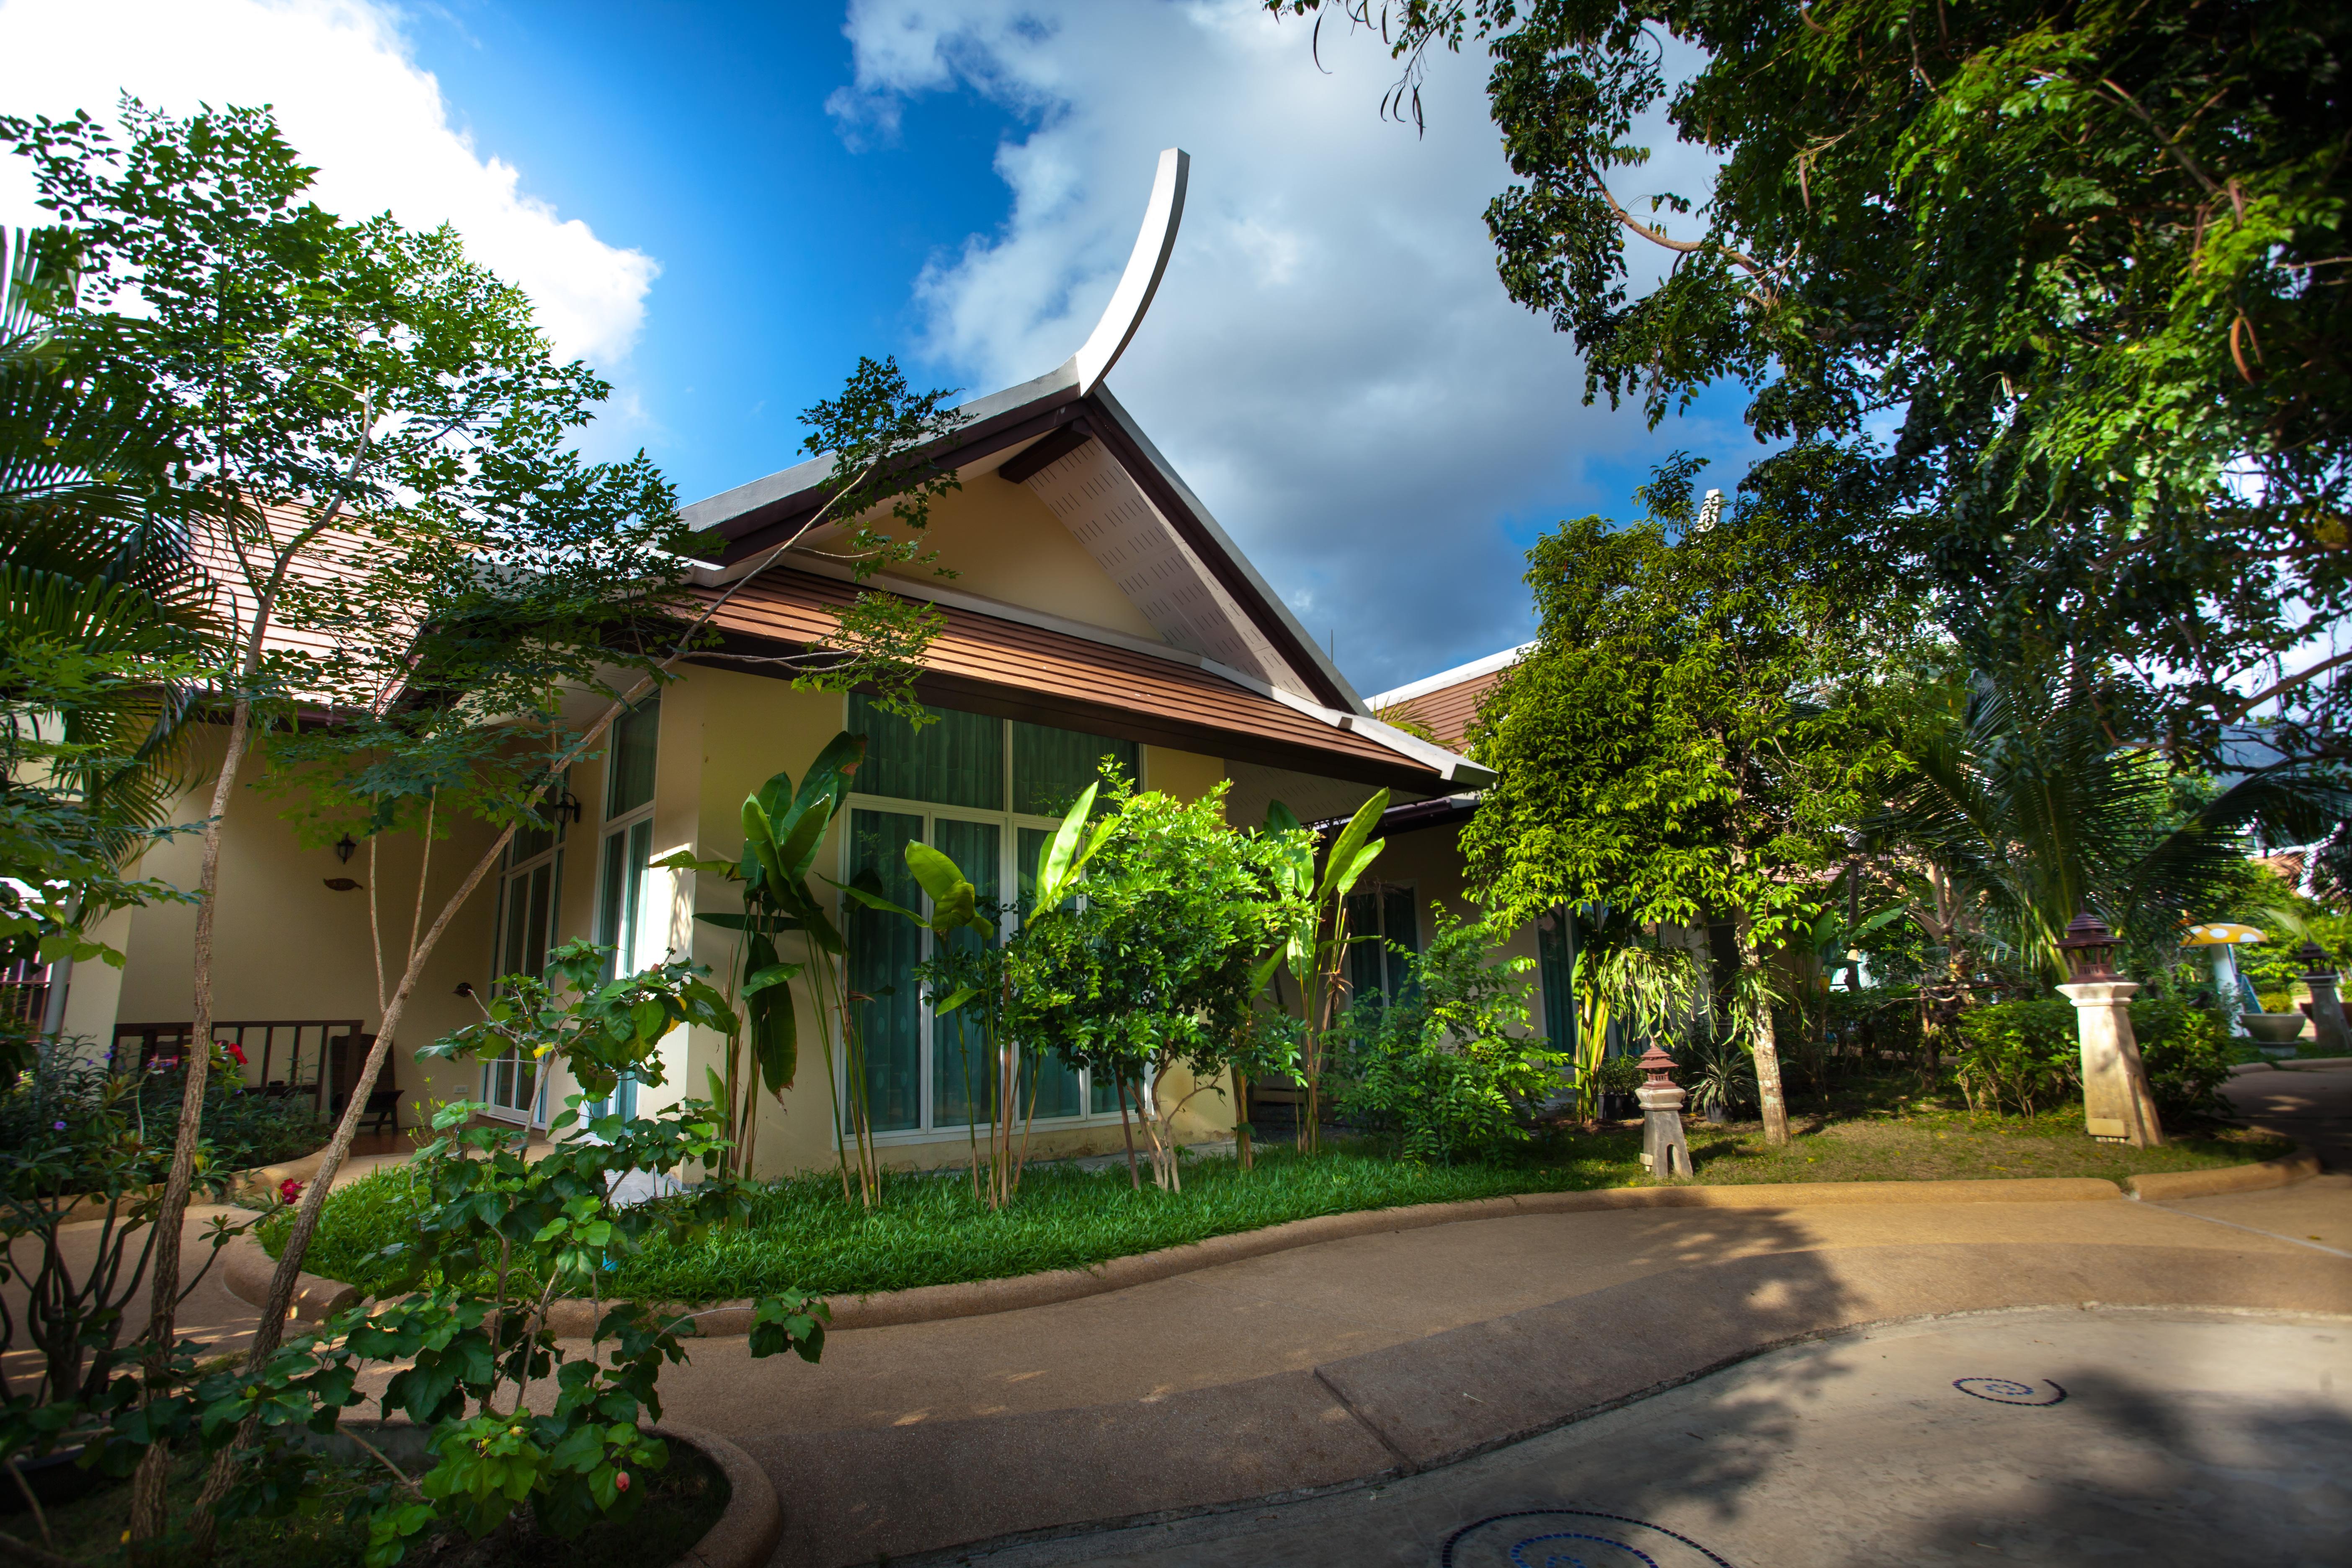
point(873, 900)
point(1344, 853)
point(829, 776)
point(767, 975)
point(934, 872)
point(956, 999)
point(1365, 855)
point(1055, 862)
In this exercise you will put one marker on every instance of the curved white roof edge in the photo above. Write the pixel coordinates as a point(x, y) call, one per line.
point(1145, 265)
point(1446, 677)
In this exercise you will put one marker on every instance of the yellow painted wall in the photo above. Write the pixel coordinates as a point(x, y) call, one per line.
point(723, 735)
point(1431, 860)
point(285, 946)
point(1006, 544)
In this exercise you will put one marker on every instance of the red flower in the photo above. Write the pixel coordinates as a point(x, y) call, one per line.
point(236, 1053)
point(290, 1189)
point(621, 1482)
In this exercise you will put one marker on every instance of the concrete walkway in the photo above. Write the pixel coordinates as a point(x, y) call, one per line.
point(2066, 1436)
point(1345, 1366)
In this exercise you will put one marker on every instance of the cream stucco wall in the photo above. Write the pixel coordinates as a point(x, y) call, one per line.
point(1430, 861)
point(723, 735)
point(285, 946)
point(1005, 545)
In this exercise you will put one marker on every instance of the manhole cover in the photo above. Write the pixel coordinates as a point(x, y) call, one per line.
point(2003, 1391)
point(1572, 1538)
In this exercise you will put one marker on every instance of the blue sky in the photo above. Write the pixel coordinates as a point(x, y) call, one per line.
point(723, 205)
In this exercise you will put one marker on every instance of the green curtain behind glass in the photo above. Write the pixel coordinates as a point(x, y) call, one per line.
point(1056, 1091)
point(963, 1088)
point(958, 760)
point(1051, 768)
point(1555, 966)
point(635, 736)
point(883, 950)
point(1380, 916)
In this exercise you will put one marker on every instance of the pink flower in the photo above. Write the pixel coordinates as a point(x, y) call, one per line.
point(621, 1482)
point(290, 1189)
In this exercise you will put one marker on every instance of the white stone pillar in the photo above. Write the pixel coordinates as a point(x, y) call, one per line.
point(2116, 1105)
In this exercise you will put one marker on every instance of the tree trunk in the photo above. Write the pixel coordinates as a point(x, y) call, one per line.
point(1128, 1132)
point(1767, 1081)
point(1241, 1121)
point(150, 1513)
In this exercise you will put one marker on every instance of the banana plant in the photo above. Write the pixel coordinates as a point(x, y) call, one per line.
point(955, 979)
point(782, 829)
point(1314, 947)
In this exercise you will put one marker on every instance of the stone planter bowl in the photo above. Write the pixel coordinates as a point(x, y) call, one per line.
point(2275, 1028)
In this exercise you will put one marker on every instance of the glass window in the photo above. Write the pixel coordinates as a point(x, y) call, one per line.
point(957, 760)
point(529, 891)
point(1377, 917)
point(1048, 1083)
point(924, 1072)
point(1555, 968)
point(962, 1085)
point(883, 951)
point(629, 783)
point(1051, 768)
point(621, 896)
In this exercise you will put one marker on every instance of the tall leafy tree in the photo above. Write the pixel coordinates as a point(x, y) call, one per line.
point(2088, 257)
point(107, 623)
point(1698, 726)
point(2015, 795)
point(386, 441)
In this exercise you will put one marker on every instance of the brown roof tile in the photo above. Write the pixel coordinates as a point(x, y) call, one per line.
point(989, 665)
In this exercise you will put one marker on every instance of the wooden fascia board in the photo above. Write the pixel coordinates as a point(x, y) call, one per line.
point(1118, 721)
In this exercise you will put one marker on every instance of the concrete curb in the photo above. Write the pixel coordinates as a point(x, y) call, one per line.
point(2164, 1185)
point(246, 1270)
point(575, 1318)
point(747, 1533)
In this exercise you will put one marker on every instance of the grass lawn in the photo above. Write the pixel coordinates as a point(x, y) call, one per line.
point(681, 1503)
point(929, 1231)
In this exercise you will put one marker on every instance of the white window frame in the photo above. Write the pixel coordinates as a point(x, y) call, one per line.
point(639, 909)
point(1009, 824)
point(519, 874)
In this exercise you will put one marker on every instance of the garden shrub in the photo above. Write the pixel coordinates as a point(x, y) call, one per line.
point(69, 1085)
point(2019, 1053)
point(2028, 1052)
point(1448, 1065)
point(2187, 1055)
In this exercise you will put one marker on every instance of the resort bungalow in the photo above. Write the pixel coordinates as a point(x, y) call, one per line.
point(1097, 610)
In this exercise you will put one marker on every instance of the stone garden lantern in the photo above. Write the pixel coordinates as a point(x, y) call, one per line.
point(1664, 1151)
point(2116, 1105)
point(2326, 1008)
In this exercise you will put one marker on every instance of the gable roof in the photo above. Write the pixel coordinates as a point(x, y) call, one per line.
point(1066, 437)
point(1232, 673)
point(1022, 666)
point(1085, 456)
point(1445, 703)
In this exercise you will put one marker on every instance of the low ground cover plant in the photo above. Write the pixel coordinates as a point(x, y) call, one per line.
point(931, 1230)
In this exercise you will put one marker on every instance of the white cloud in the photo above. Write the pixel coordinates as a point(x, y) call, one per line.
point(1330, 360)
point(353, 100)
